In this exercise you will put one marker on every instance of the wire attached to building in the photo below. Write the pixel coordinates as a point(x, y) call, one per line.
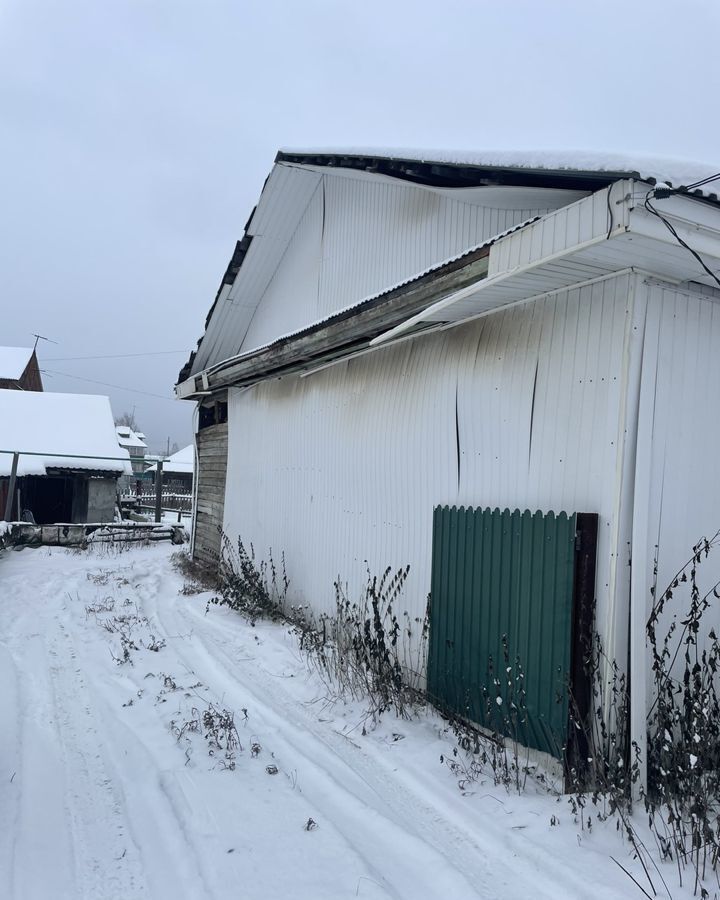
point(671, 228)
point(697, 184)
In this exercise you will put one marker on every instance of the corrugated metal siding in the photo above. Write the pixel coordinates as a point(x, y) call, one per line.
point(501, 620)
point(291, 297)
point(681, 427)
point(568, 226)
point(369, 233)
point(347, 464)
point(212, 444)
point(283, 201)
point(379, 232)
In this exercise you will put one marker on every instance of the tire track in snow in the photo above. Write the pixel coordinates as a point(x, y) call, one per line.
point(167, 854)
point(471, 854)
point(11, 762)
point(87, 810)
point(146, 586)
point(43, 855)
point(374, 811)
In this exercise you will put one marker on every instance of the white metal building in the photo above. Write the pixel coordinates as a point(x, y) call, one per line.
point(401, 331)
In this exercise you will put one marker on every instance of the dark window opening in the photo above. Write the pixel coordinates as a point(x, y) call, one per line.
point(213, 414)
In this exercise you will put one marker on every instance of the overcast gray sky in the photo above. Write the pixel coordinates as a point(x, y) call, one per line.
point(135, 138)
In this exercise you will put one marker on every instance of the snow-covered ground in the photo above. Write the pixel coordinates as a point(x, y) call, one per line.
point(108, 788)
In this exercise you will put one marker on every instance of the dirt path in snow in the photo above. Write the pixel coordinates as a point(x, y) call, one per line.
point(99, 799)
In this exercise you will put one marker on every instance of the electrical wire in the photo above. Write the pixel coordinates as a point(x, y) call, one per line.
point(610, 215)
point(696, 184)
point(113, 356)
point(671, 228)
point(118, 387)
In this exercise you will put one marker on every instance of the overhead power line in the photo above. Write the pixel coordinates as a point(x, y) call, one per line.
point(113, 356)
point(117, 387)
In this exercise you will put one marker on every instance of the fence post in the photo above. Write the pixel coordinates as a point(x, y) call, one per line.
point(11, 489)
point(158, 491)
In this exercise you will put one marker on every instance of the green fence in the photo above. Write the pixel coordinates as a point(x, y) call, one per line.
point(502, 619)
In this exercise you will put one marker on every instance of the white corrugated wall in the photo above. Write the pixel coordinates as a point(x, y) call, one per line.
point(291, 298)
point(677, 493)
point(346, 465)
point(378, 233)
point(362, 235)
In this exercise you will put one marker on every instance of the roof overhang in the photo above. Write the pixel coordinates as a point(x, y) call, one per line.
point(439, 173)
point(616, 233)
point(342, 334)
point(604, 234)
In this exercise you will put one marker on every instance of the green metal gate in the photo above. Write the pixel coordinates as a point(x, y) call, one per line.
point(510, 595)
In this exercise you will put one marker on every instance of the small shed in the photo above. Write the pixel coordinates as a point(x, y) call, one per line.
point(60, 460)
point(19, 369)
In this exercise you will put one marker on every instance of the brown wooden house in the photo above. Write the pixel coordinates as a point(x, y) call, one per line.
point(19, 369)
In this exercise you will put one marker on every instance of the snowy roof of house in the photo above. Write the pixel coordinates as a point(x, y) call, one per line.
point(126, 437)
point(654, 169)
point(181, 462)
point(60, 430)
point(14, 361)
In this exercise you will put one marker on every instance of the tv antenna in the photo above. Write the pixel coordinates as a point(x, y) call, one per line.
point(41, 337)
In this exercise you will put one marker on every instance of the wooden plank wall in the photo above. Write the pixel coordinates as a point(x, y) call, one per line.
point(212, 444)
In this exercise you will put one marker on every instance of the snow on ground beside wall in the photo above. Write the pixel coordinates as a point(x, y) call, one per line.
point(100, 799)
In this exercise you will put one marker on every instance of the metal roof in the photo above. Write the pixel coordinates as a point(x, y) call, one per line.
point(549, 168)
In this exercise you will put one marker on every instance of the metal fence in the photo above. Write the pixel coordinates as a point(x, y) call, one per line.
point(504, 619)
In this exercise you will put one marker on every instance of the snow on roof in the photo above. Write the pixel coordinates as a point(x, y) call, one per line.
point(74, 425)
point(676, 172)
point(13, 361)
point(181, 462)
point(126, 437)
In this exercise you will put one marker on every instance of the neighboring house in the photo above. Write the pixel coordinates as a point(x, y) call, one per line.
point(19, 369)
point(68, 462)
point(401, 335)
point(178, 470)
point(134, 443)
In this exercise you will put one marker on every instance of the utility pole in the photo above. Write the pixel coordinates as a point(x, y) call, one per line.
point(158, 490)
point(11, 489)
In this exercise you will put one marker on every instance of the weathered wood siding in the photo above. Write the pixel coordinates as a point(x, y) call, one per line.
point(212, 444)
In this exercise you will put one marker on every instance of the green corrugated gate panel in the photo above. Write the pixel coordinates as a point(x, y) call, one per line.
point(501, 620)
